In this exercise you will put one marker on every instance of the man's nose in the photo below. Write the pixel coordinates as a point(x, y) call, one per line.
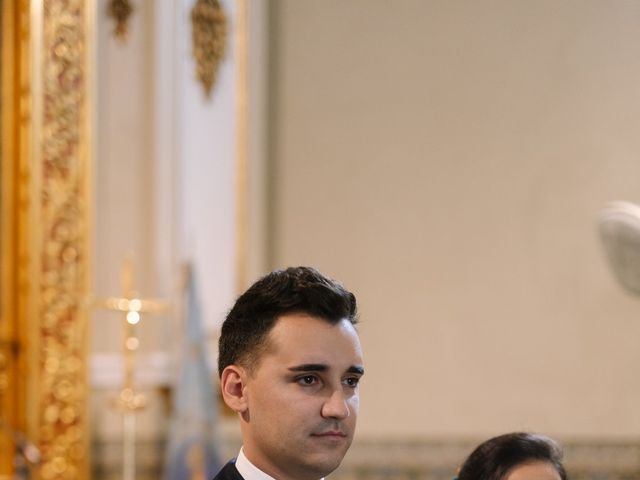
point(336, 406)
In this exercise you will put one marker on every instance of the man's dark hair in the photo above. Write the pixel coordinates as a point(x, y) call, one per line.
point(295, 290)
point(493, 459)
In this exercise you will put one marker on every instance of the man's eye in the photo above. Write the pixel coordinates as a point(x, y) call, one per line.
point(352, 382)
point(307, 380)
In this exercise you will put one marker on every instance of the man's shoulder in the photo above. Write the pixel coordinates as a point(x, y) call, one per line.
point(229, 472)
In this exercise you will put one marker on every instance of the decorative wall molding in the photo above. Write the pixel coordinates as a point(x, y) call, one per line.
point(438, 459)
point(427, 459)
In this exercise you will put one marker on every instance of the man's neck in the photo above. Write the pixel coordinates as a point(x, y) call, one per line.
point(249, 471)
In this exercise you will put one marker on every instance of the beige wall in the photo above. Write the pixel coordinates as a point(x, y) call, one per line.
point(447, 160)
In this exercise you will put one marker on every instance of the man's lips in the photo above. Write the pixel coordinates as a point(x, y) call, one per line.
point(331, 434)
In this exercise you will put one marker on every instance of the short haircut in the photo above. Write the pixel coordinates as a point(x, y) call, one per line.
point(303, 290)
point(493, 459)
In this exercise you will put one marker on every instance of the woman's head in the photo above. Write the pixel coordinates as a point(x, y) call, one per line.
point(515, 456)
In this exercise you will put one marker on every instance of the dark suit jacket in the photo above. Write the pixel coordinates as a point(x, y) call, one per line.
point(229, 472)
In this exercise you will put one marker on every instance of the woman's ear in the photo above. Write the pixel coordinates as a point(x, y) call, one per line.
point(232, 383)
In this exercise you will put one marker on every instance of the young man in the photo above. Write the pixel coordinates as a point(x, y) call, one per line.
point(290, 362)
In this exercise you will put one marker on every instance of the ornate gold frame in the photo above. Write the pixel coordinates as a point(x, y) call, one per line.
point(14, 156)
point(45, 231)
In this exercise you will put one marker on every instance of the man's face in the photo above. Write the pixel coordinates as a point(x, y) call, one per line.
point(302, 398)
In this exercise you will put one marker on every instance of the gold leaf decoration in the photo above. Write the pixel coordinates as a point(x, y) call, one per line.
point(209, 33)
point(62, 257)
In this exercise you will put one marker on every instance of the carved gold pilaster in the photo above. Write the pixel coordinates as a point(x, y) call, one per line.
point(59, 239)
point(44, 235)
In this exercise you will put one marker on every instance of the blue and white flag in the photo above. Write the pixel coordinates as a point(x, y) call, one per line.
point(191, 445)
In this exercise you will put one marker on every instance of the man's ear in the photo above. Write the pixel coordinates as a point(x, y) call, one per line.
point(232, 383)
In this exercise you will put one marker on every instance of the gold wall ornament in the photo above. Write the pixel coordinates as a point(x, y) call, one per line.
point(209, 32)
point(59, 240)
point(120, 11)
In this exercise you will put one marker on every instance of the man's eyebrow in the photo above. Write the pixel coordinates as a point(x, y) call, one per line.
point(309, 367)
point(319, 367)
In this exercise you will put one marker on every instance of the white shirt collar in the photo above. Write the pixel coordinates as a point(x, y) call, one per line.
point(249, 471)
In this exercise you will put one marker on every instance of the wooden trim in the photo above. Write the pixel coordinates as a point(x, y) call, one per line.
point(14, 131)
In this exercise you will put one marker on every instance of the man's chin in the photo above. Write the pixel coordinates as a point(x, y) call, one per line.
point(326, 462)
point(322, 470)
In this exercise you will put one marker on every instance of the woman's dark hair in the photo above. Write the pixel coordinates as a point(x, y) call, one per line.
point(304, 290)
point(493, 459)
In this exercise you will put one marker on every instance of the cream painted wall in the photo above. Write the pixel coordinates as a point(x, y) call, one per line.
point(124, 170)
point(447, 162)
